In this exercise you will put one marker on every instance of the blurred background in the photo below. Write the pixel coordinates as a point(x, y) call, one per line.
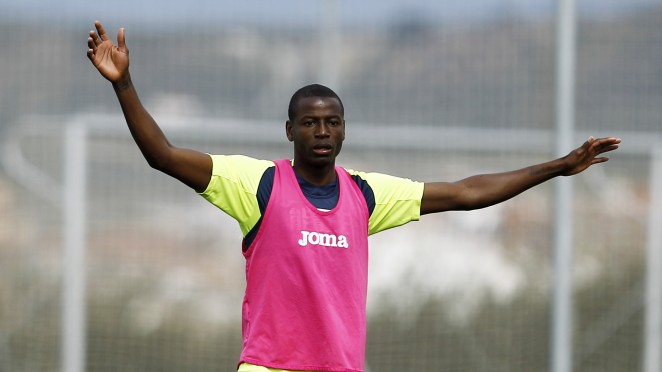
point(108, 265)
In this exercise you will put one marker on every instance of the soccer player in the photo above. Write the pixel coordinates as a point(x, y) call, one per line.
point(306, 220)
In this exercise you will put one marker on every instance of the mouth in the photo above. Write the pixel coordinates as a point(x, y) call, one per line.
point(322, 149)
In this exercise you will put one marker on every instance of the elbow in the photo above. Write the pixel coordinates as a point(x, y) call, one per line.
point(467, 205)
point(474, 206)
point(155, 164)
point(473, 200)
point(428, 207)
point(160, 162)
point(158, 165)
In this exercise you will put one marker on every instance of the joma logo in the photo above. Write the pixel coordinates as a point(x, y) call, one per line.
point(325, 240)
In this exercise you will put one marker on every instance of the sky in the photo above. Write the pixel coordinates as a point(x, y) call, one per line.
point(296, 11)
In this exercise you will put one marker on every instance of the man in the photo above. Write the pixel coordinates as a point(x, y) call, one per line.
point(306, 221)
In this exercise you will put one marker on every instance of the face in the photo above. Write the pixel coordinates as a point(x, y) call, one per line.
point(318, 130)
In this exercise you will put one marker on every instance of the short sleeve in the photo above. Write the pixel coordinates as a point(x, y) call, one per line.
point(233, 187)
point(397, 200)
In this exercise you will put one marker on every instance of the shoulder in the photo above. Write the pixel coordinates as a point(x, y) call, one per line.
point(234, 175)
point(234, 186)
point(231, 164)
point(397, 200)
point(387, 185)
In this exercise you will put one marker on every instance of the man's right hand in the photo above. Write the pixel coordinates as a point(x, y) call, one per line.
point(112, 62)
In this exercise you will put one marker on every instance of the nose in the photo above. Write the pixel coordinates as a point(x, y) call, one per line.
point(322, 129)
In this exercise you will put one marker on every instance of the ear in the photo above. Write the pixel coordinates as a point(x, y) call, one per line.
point(343, 129)
point(288, 130)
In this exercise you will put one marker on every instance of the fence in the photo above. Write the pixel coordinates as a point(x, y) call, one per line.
point(152, 275)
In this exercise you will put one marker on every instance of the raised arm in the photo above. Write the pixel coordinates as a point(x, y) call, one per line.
point(191, 167)
point(488, 189)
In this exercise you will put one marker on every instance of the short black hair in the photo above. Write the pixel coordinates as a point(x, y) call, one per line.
point(312, 90)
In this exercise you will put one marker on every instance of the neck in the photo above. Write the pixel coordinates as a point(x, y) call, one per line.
point(317, 175)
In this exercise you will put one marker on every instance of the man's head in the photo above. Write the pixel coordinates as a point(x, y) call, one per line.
point(312, 90)
point(316, 126)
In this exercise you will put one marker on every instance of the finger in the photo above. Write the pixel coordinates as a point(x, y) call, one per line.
point(90, 55)
point(95, 37)
point(605, 144)
point(608, 148)
point(121, 40)
point(91, 44)
point(100, 30)
point(608, 140)
point(599, 160)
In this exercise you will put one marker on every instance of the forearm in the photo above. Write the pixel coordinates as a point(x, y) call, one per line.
point(145, 131)
point(487, 189)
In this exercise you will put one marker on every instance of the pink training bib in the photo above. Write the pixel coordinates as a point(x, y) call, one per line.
point(306, 280)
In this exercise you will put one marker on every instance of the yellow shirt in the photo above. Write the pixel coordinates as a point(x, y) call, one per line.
point(246, 367)
point(235, 180)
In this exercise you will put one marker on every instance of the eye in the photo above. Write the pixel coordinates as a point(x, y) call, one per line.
point(334, 123)
point(308, 123)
